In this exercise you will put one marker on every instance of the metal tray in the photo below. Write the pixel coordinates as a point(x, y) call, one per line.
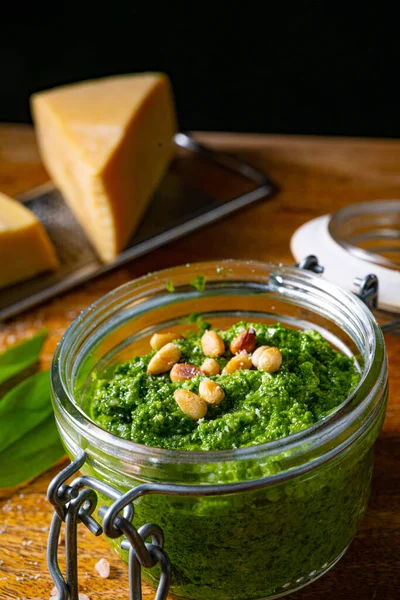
point(201, 187)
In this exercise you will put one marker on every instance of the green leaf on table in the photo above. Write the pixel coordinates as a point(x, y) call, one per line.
point(29, 440)
point(25, 459)
point(21, 356)
point(23, 408)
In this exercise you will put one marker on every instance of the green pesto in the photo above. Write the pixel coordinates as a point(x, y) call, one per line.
point(199, 283)
point(258, 407)
point(256, 544)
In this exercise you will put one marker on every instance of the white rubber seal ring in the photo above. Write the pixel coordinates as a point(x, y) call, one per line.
point(340, 266)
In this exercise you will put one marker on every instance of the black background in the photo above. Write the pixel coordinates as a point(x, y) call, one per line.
point(289, 67)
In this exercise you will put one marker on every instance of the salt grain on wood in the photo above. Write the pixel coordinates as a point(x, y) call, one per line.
point(103, 568)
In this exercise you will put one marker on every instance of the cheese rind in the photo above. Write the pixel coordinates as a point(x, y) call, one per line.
point(25, 247)
point(106, 144)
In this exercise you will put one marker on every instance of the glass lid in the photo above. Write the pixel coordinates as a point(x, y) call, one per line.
point(370, 231)
point(359, 245)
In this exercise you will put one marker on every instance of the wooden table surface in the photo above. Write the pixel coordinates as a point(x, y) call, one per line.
point(317, 175)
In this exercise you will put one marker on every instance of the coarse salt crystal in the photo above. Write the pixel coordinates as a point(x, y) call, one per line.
point(54, 591)
point(83, 597)
point(103, 568)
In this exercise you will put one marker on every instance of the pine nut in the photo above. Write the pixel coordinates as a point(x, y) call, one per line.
point(191, 404)
point(211, 392)
point(238, 363)
point(183, 371)
point(158, 340)
point(270, 360)
point(210, 367)
point(244, 342)
point(255, 357)
point(212, 344)
point(164, 359)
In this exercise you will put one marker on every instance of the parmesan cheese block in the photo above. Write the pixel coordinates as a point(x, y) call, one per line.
point(25, 248)
point(106, 144)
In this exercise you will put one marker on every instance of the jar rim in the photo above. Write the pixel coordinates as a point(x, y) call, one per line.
point(359, 398)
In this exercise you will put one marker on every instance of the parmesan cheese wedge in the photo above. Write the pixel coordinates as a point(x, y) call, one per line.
point(106, 144)
point(25, 247)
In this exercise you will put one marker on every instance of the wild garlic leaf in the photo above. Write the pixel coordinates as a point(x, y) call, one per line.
point(39, 450)
point(29, 440)
point(23, 408)
point(21, 356)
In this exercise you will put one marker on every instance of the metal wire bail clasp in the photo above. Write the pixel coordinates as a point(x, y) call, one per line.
point(75, 503)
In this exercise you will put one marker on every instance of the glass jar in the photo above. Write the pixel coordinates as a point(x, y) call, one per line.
point(297, 501)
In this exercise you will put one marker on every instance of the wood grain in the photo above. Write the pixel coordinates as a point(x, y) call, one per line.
point(317, 175)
